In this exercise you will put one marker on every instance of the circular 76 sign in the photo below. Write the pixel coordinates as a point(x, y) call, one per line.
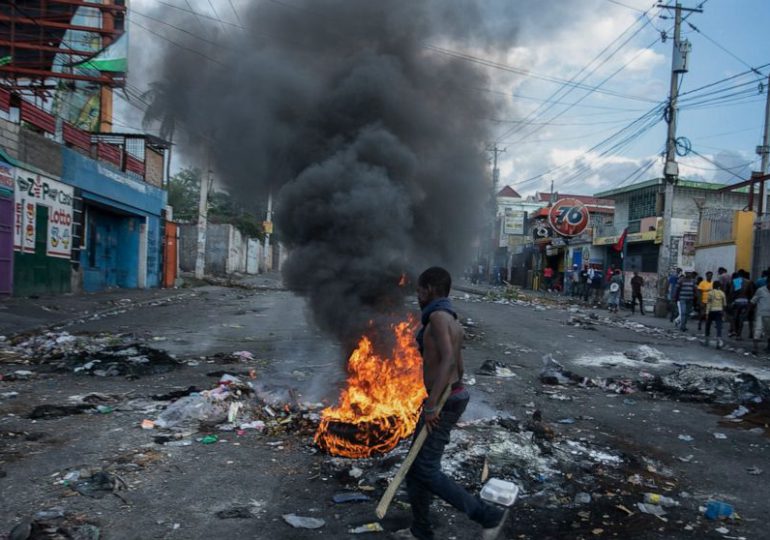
point(568, 217)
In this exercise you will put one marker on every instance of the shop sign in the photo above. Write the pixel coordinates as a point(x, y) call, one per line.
point(568, 217)
point(541, 230)
point(514, 221)
point(30, 191)
point(6, 175)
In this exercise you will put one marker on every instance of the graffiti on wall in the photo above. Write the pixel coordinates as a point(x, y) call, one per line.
point(31, 190)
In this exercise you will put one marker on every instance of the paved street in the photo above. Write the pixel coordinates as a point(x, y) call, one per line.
point(608, 429)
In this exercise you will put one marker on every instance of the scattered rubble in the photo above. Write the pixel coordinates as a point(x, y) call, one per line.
point(701, 384)
point(102, 355)
point(302, 522)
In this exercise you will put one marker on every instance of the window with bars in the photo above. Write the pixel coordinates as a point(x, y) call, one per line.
point(643, 204)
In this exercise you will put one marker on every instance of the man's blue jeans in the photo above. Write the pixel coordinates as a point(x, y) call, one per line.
point(685, 307)
point(425, 478)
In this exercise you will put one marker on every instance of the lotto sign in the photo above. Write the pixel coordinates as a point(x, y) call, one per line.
point(30, 191)
point(568, 217)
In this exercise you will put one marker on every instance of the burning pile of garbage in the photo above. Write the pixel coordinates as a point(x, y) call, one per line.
point(381, 404)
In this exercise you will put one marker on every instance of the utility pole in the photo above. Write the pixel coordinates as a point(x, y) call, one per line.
point(764, 150)
point(764, 205)
point(268, 228)
point(207, 181)
point(496, 150)
point(671, 168)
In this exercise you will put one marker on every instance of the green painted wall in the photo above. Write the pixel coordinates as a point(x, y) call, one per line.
point(36, 273)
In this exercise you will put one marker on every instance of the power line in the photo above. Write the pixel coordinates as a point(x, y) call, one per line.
point(199, 14)
point(735, 56)
point(718, 165)
point(232, 7)
point(529, 73)
point(625, 6)
point(178, 28)
point(190, 49)
point(537, 113)
point(652, 113)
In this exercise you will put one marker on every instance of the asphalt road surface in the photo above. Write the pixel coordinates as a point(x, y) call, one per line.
point(584, 451)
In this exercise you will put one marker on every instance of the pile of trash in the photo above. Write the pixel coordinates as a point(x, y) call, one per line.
point(232, 405)
point(102, 355)
point(704, 384)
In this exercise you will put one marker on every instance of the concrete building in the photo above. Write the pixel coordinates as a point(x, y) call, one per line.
point(510, 233)
point(639, 210)
point(87, 209)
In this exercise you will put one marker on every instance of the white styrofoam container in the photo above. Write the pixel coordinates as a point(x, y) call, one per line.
point(500, 492)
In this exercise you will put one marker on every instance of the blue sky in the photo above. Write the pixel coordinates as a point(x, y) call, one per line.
point(573, 145)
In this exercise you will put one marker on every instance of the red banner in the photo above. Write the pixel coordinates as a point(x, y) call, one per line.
point(38, 117)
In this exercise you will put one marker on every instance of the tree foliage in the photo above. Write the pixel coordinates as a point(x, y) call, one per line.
point(183, 190)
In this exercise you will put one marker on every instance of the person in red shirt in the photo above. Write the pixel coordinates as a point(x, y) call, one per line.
point(548, 278)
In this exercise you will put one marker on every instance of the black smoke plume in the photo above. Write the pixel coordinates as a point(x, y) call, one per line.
point(371, 140)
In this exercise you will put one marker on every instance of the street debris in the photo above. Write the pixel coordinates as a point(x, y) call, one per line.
point(718, 510)
point(645, 353)
point(302, 522)
point(49, 411)
point(99, 484)
point(243, 511)
point(656, 498)
point(367, 528)
point(349, 496)
point(55, 528)
point(495, 368)
point(654, 509)
point(101, 355)
point(697, 383)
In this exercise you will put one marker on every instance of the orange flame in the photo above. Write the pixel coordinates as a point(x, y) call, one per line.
point(403, 281)
point(381, 403)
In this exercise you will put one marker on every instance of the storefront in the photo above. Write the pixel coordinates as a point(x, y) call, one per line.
point(121, 239)
point(6, 229)
point(42, 233)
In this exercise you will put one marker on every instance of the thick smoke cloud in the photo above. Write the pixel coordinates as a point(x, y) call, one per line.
point(372, 143)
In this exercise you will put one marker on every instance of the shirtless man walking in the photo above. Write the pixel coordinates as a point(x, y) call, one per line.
point(440, 340)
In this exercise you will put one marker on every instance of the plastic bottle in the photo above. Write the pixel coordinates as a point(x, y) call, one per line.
point(655, 498)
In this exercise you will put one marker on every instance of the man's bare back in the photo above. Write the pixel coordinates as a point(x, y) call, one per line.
point(441, 326)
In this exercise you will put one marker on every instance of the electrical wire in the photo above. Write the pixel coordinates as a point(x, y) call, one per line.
point(735, 56)
point(189, 49)
point(550, 103)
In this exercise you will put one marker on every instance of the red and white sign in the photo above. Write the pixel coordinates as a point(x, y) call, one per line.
point(569, 217)
point(6, 175)
point(30, 191)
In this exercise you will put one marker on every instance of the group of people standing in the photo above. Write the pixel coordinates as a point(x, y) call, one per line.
point(590, 282)
point(729, 298)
